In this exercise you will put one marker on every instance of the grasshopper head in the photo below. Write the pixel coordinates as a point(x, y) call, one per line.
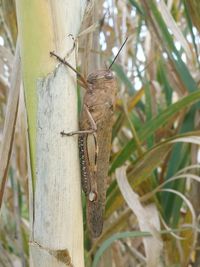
point(103, 75)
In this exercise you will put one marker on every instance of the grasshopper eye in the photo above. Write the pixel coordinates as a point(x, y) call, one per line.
point(109, 75)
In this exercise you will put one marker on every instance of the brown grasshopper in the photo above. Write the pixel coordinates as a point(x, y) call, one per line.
point(94, 140)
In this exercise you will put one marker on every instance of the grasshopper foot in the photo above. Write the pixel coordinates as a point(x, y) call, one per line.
point(65, 134)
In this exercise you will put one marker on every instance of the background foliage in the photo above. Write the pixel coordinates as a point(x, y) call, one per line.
point(155, 135)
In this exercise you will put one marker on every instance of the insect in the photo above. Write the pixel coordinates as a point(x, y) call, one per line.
point(94, 139)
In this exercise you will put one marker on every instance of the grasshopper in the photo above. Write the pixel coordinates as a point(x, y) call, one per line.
point(94, 141)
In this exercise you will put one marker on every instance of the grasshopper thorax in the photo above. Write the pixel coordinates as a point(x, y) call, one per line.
point(100, 75)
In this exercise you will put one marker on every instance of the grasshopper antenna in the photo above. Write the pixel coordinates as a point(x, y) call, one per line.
point(82, 79)
point(118, 53)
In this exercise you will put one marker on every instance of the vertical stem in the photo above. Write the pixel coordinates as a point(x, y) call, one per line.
point(51, 102)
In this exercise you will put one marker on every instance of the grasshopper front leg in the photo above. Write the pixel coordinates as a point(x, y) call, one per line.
point(89, 131)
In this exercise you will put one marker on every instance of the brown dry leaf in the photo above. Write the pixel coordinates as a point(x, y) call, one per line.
point(188, 239)
point(10, 122)
point(20, 143)
point(194, 8)
point(9, 13)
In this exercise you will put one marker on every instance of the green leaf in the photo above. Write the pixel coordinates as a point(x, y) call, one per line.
point(151, 126)
point(134, 234)
point(106, 244)
point(123, 77)
point(137, 6)
point(190, 26)
point(164, 81)
point(173, 53)
point(143, 169)
point(176, 162)
point(148, 112)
